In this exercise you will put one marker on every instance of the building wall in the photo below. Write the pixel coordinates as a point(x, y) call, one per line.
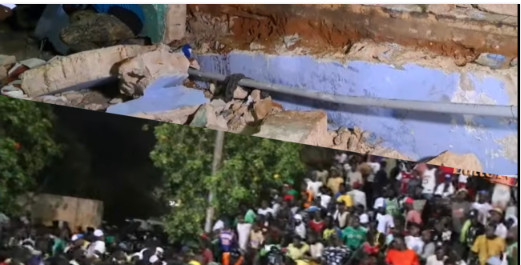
point(77, 212)
point(417, 135)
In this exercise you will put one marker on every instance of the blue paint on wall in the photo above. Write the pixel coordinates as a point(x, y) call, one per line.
point(166, 93)
point(417, 135)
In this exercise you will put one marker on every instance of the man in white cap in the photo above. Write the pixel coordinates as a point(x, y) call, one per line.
point(97, 248)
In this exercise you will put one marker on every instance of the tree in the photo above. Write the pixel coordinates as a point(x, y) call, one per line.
point(251, 167)
point(26, 147)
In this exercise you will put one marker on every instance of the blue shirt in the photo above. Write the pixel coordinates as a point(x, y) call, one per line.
point(136, 9)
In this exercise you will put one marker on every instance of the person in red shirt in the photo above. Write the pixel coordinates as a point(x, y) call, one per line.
point(400, 255)
point(317, 224)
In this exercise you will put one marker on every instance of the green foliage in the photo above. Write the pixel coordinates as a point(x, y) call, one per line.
point(249, 170)
point(26, 146)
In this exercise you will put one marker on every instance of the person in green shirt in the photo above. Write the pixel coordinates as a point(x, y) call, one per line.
point(354, 235)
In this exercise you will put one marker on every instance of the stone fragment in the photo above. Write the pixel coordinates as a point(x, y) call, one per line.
point(115, 101)
point(514, 62)
point(236, 106)
point(248, 117)
point(256, 95)
point(503, 9)
point(205, 117)
point(240, 93)
point(256, 46)
point(6, 62)
point(137, 73)
point(494, 61)
point(177, 116)
point(77, 69)
point(291, 40)
point(33, 63)
point(440, 9)
point(352, 143)
point(262, 108)
point(73, 97)
point(218, 104)
point(94, 106)
point(305, 127)
point(462, 161)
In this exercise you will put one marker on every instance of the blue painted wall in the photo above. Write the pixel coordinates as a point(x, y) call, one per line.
point(414, 134)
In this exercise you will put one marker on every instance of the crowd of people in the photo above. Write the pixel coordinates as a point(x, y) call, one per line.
point(362, 210)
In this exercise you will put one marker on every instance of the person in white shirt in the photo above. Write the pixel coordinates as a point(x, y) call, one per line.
point(428, 182)
point(314, 185)
point(243, 232)
point(438, 258)
point(265, 210)
point(384, 220)
point(324, 197)
point(414, 240)
point(445, 189)
point(97, 248)
point(358, 195)
point(482, 206)
point(501, 196)
point(300, 227)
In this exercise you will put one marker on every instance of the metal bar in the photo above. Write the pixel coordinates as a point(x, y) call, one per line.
point(409, 105)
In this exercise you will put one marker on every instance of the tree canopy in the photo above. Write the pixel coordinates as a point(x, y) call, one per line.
point(251, 167)
point(26, 146)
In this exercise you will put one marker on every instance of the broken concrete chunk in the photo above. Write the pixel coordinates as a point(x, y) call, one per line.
point(6, 62)
point(12, 92)
point(513, 63)
point(256, 46)
point(240, 93)
point(262, 108)
point(291, 40)
point(205, 117)
point(137, 73)
point(463, 161)
point(95, 107)
point(177, 116)
point(503, 9)
point(115, 101)
point(73, 97)
point(33, 63)
point(77, 69)
point(256, 95)
point(352, 143)
point(494, 61)
point(298, 127)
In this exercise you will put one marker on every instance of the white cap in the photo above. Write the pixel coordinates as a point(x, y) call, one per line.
point(153, 259)
point(98, 233)
point(298, 217)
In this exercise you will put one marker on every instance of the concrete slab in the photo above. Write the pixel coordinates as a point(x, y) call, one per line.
point(167, 93)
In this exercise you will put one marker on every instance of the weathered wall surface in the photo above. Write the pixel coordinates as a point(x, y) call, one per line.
point(451, 30)
point(76, 211)
point(414, 134)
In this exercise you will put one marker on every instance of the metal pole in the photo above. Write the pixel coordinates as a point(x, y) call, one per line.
point(216, 164)
point(410, 105)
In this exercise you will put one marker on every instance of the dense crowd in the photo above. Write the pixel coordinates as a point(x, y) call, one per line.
point(359, 211)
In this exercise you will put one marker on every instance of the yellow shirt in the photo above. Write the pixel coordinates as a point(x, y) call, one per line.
point(346, 199)
point(334, 184)
point(487, 248)
point(328, 232)
point(297, 253)
point(194, 262)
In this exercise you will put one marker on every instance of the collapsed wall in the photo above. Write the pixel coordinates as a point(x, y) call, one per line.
point(445, 53)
